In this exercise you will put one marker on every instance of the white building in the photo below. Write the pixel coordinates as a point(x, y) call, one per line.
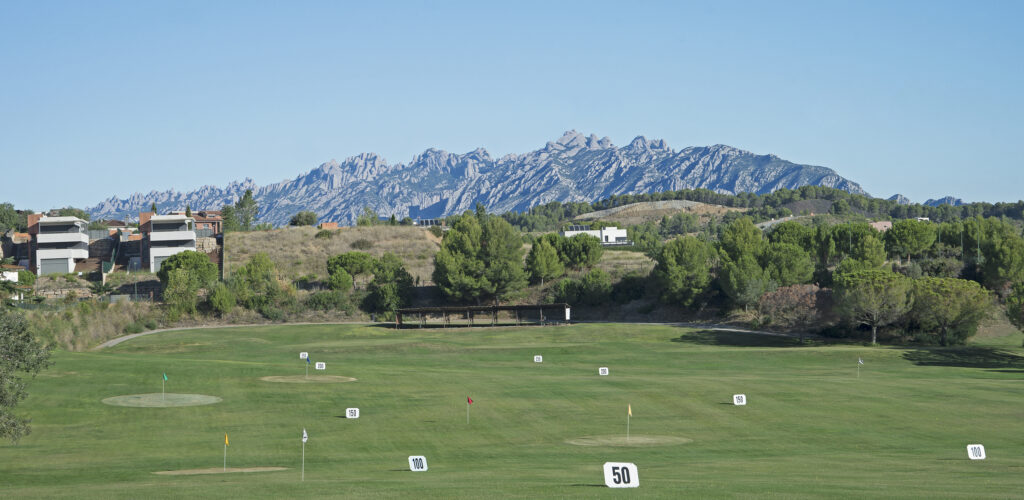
point(10, 273)
point(57, 243)
point(164, 236)
point(609, 236)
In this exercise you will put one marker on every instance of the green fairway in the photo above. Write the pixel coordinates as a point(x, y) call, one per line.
point(812, 428)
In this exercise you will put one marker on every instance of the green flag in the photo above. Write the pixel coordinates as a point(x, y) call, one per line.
point(165, 376)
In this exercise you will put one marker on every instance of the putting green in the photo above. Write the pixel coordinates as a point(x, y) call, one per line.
point(635, 440)
point(312, 379)
point(157, 400)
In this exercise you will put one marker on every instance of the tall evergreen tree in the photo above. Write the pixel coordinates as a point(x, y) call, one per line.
point(542, 262)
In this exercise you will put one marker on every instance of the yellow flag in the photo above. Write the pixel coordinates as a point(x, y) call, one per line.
point(225, 439)
point(629, 410)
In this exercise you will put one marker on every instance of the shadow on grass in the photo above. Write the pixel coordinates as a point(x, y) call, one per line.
point(739, 339)
point(966, 357)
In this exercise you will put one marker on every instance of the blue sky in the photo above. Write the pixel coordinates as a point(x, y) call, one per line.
point(110, 98)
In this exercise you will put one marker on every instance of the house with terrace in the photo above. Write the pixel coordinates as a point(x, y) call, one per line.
point(57, 243)
point(164, 236)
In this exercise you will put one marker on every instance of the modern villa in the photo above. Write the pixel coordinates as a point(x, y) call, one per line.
point(164, 236)
point(57, 243)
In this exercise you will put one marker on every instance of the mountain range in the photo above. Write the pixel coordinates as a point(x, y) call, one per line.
point(437, 183)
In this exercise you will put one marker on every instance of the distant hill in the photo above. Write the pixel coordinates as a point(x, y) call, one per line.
point(653, 211)
point(947, 200)
point(438, 183)
point(899, 198)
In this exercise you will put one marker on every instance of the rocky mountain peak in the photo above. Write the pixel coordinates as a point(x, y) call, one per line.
point(900, 199)
point(437, 183)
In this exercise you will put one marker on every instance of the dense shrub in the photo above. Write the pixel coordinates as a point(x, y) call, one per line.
point(362, 244)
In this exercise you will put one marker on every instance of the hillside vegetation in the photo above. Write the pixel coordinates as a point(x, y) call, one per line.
point(297, 251)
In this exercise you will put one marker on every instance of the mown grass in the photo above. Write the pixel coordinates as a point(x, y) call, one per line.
point(811, 429)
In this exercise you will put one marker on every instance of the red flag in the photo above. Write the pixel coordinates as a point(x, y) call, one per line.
point(469, 400)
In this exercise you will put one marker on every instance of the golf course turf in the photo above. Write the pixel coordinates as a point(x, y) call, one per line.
point(811, 427)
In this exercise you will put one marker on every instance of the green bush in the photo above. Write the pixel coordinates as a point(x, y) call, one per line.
point(26, 278)
point(595, 287)
point(222, 299)
point(272, 313)
point(362, 244)
point(134, 327)
point(325, 301)
point(631, 287)
point(324, 234)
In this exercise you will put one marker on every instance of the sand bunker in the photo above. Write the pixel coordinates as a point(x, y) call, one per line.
point(217, 470)
point(634, 440)
point(312, 379)
point(157, 400)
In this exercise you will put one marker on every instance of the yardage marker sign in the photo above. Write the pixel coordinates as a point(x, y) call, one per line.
point(538, 359)
point(976, 452)
point(320, 365)
point(602, 371)
point(303, 355)
point(621, 475)
point(351, 412)
point(417, 463)
point(739, 399)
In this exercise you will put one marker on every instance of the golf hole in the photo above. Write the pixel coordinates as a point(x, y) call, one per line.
point(312, 379)
point(157, 400)
point(217, 470)
point(634, 440)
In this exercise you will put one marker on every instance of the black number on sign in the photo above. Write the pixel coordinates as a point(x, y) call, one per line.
point(976, 451)
point(625, 475)
point(351, 413)
point(417, 463)
point(620, 475)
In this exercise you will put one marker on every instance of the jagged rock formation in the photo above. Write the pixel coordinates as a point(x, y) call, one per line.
point(900, 199)
point(438, 183)
point(946, 200)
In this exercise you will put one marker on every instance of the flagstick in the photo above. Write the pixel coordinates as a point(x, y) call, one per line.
point(303, 460)
point(163, 389)
point(225, 457)
point(307, 370)
point(858, 370)
point(467, 413)
point(627, 427)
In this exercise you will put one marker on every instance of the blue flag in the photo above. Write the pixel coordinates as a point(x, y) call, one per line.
point(307, 361)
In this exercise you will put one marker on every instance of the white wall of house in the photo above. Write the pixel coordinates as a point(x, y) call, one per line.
point(608, 236)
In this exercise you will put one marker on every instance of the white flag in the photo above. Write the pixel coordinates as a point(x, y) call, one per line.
point(305, 437)
point(860, 361)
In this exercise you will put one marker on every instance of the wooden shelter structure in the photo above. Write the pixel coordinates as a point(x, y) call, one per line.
point(520, 314)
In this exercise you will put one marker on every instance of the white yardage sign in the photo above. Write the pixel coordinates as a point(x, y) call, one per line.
point(976, 452)
point(602, 371)
point(351, 412)
point(739, 399)
point(620, 475)
point(320, 365)
point(417, 463)
point(538, 359)
point(303, 355)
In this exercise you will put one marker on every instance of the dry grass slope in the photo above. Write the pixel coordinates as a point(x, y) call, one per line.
point(653, 211)
point(297, 252)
